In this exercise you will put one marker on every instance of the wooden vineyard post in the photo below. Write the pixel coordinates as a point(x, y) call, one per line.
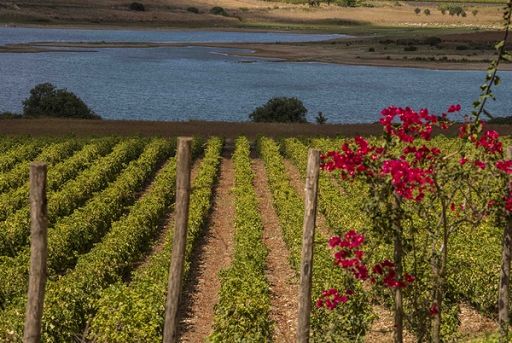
point(506, 257)
point(183, 162)
point(38, 253)
point(306, 270)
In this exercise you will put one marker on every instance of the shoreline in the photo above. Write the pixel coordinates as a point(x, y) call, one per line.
point(275, 52)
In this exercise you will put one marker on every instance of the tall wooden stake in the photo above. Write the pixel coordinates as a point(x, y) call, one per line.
point(38, 253)
point(506, 252)
point(183, 162)
point(307, 246)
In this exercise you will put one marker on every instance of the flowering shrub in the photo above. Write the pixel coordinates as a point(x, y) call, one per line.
point(349, 256)
point(415, 188)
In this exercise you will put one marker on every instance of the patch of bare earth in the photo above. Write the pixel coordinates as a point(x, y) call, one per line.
point(473, 323)
point(214, 253)
point(382, 327)
point(282, 279)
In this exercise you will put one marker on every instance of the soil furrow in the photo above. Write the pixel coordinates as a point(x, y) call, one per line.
point(167, 223)
point(213, 254)
point(282, 279)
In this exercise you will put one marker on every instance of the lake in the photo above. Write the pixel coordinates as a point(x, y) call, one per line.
point(200, 83)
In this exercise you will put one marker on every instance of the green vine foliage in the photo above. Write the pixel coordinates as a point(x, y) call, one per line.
point(348, 323)
point(492, 78)
point(242, 313)
point(134, 311)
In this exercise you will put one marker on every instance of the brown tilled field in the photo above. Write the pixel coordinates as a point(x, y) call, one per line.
point(59, 127)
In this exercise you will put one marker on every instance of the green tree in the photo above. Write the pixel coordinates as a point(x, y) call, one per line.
point(282, 110)
point(46, 100)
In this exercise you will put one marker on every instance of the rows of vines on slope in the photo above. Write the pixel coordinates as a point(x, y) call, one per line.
point(8, 142)
point(242, 313)
point(21, 152)
point(69, 298)
point(57, 175)
point(75, 234)
point(135, 311)
point(348, 323)
point(51, 154)
point(14, 231)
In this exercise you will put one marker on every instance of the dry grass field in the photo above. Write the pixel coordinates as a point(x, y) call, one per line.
point(245, 14)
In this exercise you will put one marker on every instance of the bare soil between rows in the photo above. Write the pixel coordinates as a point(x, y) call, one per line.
point(281, 277)
point(213, 254)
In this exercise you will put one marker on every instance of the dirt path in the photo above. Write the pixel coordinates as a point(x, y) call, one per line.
point(282, 279)
point(473, 323)
point(213, 254)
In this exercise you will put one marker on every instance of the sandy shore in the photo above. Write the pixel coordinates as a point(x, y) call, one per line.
point(472, 51)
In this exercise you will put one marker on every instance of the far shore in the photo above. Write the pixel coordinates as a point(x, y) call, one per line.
point(321, 52)
point(78, 127)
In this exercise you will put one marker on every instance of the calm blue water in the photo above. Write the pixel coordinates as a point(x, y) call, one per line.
point(9, 35)
point(207, 84)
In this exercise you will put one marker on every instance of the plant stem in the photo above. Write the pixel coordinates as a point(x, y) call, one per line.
point(398, 260)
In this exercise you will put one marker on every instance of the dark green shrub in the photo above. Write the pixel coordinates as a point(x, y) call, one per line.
point(137, 6)
point(461, 47)
point(282, 110)
point(372, 49)
point(217, 10)
point(426, 11)
point(455, 10)
point(193, 10)
point(432, 41)
point(46, 100)
point(320, 118)
point(500, 120)
point(346, 3)
point(10, 115)
point(410, 48)
point(474, 12)
point(417, 10)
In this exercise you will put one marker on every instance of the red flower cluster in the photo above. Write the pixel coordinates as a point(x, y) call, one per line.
point(408, 182)
point(349, 256)
point(434, 309)
point(385, 273)
point(351, 160)
point(479, 164)
point(331, 298)
point(504, 166)
point(490, 142)
point(508, 202)
point(413, 124)
point(421, 154)
point(454, 108)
